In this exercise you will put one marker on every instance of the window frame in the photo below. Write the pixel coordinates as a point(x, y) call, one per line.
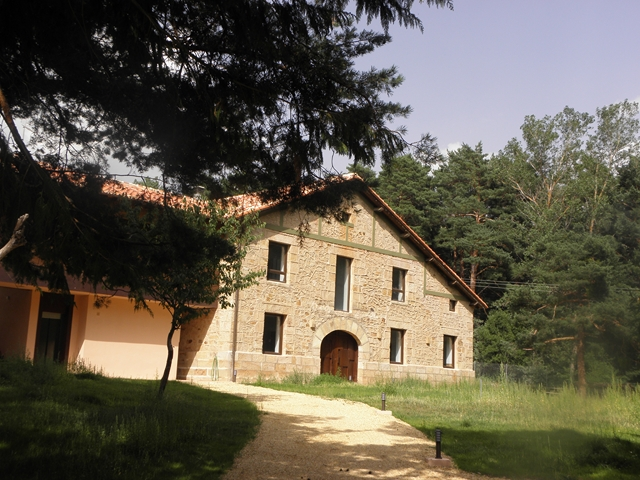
point(279, 276)
point(278, 337)
point(449, 340)
point(399, 294)
point(346, 287)
point(398, 332)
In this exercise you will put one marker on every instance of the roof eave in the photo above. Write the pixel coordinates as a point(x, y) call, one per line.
point(455, 280)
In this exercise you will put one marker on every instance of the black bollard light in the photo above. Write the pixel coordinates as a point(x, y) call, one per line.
point(384, 401)
point(438, 443)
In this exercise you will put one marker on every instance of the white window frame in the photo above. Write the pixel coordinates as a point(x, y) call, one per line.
point(277, 273)
point(449, 351)
point(398, 284)
point(343, 283)
point(272, 333)
point(396, 346)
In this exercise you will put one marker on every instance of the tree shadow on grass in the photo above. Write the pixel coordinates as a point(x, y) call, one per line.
point(190, 434)
point(544, 454)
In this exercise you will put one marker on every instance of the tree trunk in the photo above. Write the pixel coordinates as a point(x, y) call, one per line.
point(167, 368)
point(473, 275)
point(8, 118)
point(582, 373)
point(572, 367)
point(17, 238)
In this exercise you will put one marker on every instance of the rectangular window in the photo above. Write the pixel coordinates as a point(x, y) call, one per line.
point(396, 350)
point(343, 280)
point(452, 305)
point(397, 284)
point(449, 351)
point(272, 334)
point(277, 265)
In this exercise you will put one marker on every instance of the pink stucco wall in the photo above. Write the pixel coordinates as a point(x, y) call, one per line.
point(127, 343)
point(116, 339)
point(14, 310)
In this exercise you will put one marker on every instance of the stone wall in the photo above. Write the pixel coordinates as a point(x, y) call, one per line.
point(306, 300)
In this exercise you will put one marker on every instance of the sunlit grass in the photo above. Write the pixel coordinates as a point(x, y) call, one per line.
point(59, 425)
point(509, 429)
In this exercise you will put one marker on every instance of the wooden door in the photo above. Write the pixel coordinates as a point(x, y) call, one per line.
point(339, 355)
point(54, 327)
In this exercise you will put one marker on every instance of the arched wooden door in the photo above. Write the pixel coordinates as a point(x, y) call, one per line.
point(339, 355)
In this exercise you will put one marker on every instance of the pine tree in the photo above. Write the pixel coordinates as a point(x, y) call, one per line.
point(478, 231)
point(233, 95)
point(578, 295)
point(405, 184)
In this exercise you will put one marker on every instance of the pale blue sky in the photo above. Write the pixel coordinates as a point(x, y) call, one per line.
point(477, 71)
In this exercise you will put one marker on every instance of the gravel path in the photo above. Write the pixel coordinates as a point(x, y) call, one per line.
point(311, 438)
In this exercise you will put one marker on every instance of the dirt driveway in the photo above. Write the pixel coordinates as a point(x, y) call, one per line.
point(311, 438)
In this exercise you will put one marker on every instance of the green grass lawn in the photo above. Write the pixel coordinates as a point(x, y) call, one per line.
point(59, 425)
point(509, 429)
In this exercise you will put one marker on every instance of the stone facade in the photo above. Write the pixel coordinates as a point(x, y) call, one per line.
point(431, 309)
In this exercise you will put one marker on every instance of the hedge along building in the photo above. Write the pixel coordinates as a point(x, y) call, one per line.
point(365, 298)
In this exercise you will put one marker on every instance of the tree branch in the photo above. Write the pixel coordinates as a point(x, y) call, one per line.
point(559, 339)
point(6, 114)
point(17, 237)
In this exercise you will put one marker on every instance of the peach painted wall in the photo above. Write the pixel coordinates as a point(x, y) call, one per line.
point(127, 343)
point(15, 307)
point(78, 325)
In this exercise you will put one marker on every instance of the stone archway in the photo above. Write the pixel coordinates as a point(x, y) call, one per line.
point(339, 355)
point(346, 325)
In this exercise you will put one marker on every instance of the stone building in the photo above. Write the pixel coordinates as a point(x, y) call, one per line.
point(365, 298)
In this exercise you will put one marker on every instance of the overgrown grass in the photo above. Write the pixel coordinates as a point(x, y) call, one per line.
point(60, 425)
point(509, 429)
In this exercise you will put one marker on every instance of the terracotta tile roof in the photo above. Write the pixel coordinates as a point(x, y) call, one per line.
point(237, 205)
point(251, 203)
point(240, 205)
point(430, 255)
point(145, 194)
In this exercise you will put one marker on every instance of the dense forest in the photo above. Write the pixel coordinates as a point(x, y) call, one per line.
point(547, 231)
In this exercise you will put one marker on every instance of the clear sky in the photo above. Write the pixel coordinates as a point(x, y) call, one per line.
point(476, 71)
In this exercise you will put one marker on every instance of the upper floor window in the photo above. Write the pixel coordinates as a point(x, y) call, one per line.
point(345, 217)
point(452, 305)
point(343, 283)
point(277, 265)
point(449, 351)
point(272, 333)
point(396, 348)
point(397, 285)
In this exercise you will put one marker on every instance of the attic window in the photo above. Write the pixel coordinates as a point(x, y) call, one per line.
point(452, 305)
point(345, 217)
